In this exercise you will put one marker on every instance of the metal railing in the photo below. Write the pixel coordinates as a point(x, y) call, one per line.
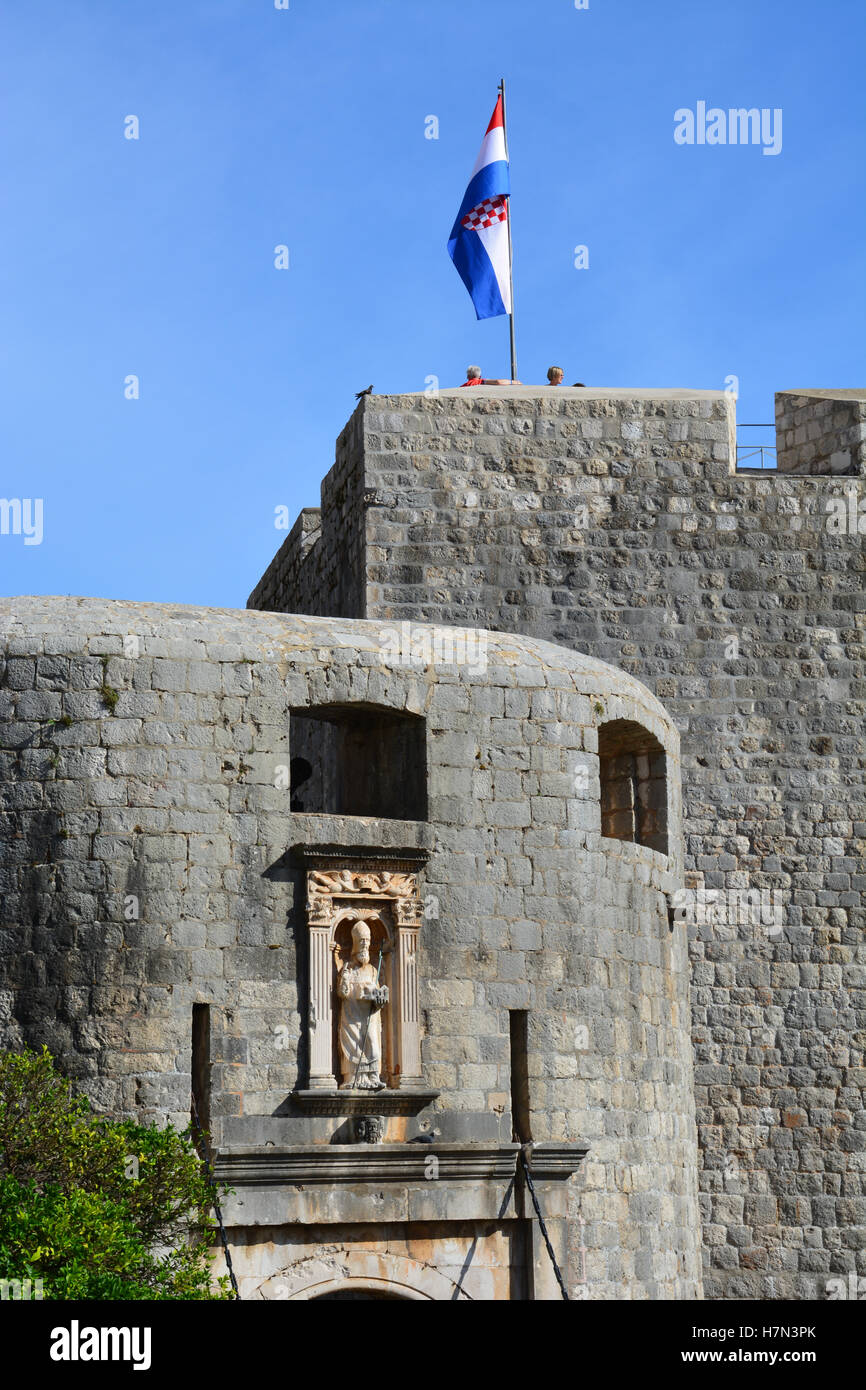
point(766, 453)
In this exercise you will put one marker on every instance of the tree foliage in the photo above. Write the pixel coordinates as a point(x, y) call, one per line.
point(95, 1208)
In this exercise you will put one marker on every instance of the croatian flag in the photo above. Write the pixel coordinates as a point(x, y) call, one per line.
point(478, 244)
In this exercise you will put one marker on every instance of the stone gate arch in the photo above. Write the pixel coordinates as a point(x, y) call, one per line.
point(361, 1271)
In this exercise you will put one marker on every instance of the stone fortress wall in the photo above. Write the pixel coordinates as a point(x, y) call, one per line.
point(820, 432)
point(614, 523)
point(152, 869)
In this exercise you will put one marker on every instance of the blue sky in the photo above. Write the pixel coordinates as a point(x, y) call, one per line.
point(306, 127)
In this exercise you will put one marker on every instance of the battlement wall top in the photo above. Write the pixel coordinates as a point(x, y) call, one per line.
point(528, 391)
point(821, 432)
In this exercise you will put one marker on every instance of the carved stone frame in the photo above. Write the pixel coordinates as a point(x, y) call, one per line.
point(359, 889)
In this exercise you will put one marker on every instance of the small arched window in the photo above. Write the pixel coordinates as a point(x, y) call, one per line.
point(634, 786)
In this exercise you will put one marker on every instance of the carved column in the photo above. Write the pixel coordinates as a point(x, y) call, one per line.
point(408, 1030)
point(321, 1017)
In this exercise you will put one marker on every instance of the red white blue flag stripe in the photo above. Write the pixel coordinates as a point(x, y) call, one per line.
point(478, 244)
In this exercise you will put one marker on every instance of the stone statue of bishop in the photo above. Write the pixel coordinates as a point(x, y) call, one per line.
point(362, 999)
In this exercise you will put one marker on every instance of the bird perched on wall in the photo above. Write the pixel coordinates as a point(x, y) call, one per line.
point(359, 394)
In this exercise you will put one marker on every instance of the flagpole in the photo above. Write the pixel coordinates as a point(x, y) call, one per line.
point(510, 263)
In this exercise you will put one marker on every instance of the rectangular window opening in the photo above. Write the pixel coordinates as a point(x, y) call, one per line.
point(634, 789)
point(358, 760)
point(519, 1043)
point(200, 1071)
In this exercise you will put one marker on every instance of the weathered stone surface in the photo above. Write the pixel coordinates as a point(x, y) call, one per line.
point(127, 909)
point(613, 523)
point(150, 861)
point(821, 432)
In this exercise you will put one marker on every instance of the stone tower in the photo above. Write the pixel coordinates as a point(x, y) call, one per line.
point(559, 715)
point(616, 523)
point(182, 876)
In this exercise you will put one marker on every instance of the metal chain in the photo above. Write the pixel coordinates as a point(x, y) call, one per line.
point(559, 1279)
point(208, 1168)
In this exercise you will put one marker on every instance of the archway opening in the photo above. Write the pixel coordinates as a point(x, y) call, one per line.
point(360, 1293)
point(634, 786)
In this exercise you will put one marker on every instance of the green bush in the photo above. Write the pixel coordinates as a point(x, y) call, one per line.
point(97, 1209)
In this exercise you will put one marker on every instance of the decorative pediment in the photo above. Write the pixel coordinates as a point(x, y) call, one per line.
point(327, 890)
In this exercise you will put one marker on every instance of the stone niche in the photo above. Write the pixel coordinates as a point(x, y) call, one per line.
point(342, 890)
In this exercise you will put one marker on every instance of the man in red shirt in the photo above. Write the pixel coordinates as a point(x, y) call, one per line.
point(474, 378)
